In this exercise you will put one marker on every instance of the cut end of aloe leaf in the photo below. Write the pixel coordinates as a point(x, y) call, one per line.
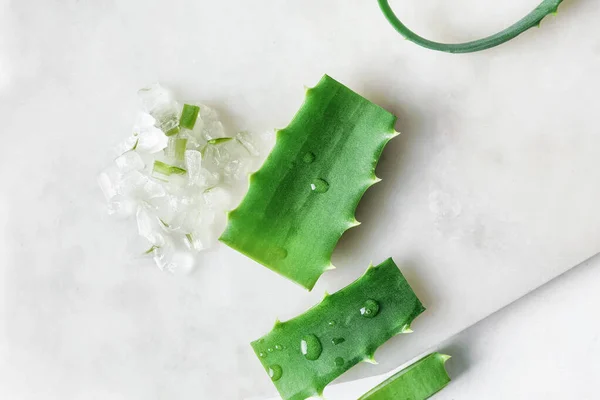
point(299, 203)
point(419, 381)
point(343, 330)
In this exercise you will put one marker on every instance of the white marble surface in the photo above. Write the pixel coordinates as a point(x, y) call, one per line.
point(491, 191)
point(545, 346)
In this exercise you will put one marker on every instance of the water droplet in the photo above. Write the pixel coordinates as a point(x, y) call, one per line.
point(278, 347)
point(319, 185)
point(369, 309)
point(279, 253)
point(338, 340)
point(270, 349)
point(262, 354)
point(261, 341)
point(331, 323)
point(275, 372)
point(311, 347)
point(309, 157)
point(339, 361)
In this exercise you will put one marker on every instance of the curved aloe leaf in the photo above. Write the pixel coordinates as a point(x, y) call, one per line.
point(534, 18)
point(306, 353)
point(419, 381)
point(304, 196)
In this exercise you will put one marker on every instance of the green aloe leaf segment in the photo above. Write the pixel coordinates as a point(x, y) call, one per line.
point(308, 352)
point(304, 197)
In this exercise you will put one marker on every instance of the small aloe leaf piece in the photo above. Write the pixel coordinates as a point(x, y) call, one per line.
point(304, 197)
point(306, 353)
point(180, 147)
point(151, 249)
point(173, 131)
point(419, 381)
point(533, 19)
point(176, 148)
point(219, 140)
point(189, 115)
point(162, 169)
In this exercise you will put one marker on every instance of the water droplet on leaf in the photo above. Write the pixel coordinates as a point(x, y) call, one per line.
point(338, 340)
point(309, 157)
point(319, 185)
point(331, 323)
point(262, 354)
point(278, 347)
point(311, 347)
point(275, 372)
point(339, 361)
point(280, 253)
point(369, 309)
point(270, 349)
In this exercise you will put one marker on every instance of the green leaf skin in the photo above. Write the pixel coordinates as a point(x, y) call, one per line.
point(304, 197)
point(340, 328)
point(533, 19)
point(419, 381)
point(189, 115)
point(167, 169)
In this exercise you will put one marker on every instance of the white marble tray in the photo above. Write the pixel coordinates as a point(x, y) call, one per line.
point(491, 190)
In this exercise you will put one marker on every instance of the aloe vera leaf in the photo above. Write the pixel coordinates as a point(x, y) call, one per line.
point(303, 198)
point(419, 381)
point(306, 353)
point(533, 19)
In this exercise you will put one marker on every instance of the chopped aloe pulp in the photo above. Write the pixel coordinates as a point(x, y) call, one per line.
point(176, 198)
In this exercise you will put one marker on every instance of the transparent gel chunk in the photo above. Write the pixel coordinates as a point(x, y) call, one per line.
point(237, 170)
point(160, 104)
point(121, 207)
point(129, 161)
point(153, 189)
point(179, 213)
point(132, 184)
point(174, 260)
point(246, 140)
point(109, 181)
point(208, 124)
point(149, 138)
